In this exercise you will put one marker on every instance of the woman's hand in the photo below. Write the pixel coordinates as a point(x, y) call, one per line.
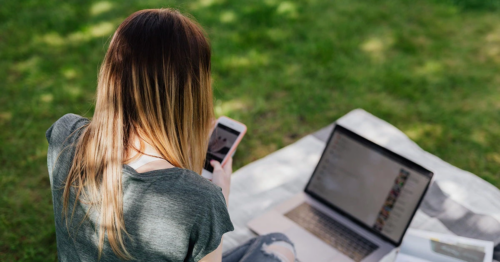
point(222, 176)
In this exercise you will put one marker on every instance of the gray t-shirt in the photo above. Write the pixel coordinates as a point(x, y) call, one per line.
point(171, 214)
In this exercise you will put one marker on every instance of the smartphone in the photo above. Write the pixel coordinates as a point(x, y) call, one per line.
point(224, 139)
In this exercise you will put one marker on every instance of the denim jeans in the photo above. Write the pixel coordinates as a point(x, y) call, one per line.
point(255, 249)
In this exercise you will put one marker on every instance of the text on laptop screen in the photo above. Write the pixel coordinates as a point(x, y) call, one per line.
point(368, 185)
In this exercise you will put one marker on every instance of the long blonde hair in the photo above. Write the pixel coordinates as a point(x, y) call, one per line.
point(154, 83)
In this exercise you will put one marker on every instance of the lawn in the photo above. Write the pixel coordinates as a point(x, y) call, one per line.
point(285, 68)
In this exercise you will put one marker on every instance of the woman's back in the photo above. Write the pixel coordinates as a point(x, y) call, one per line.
point(170, 214)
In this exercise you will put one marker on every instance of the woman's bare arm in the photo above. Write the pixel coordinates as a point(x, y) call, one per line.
point(222, 178)
point(215, 256)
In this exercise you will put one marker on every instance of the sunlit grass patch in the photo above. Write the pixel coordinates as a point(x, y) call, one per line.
point(101, 7)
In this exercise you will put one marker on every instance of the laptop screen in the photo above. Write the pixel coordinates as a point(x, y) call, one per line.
point(369, 183)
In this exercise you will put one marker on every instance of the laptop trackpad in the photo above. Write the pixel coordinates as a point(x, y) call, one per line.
point(309, 248)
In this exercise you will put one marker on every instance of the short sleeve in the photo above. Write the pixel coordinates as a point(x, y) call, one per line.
point(58, 136)
point(212, 222)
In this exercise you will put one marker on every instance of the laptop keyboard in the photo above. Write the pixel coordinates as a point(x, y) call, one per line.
point(332, 232)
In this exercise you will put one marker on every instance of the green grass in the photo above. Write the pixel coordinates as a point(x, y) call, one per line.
point(286, 69)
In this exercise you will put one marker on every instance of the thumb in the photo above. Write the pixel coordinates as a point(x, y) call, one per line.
point(216, 165)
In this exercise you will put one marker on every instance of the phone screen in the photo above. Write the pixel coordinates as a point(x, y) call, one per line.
point(221, 141)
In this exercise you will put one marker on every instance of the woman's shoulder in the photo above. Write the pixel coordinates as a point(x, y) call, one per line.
point(202, 187)
point(191, 186)
point(63, 127)
point(176, 188)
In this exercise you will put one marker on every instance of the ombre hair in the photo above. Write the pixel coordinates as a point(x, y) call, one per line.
point(154, 83)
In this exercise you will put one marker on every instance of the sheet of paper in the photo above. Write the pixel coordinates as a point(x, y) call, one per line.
point(423, 246)
point(408, 258)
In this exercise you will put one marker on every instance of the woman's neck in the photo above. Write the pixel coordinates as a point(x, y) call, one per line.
point(147, 149)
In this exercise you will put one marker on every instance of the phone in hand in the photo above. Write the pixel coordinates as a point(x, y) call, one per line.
point(224, 139)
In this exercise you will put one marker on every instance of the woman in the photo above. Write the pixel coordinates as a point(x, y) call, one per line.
point(126, 184)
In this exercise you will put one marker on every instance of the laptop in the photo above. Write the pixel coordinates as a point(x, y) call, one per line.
point(356, 206)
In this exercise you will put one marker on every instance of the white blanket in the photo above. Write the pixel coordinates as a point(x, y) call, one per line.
point(458, 202)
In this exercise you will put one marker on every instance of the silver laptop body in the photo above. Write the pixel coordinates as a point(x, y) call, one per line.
point(356, 206)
